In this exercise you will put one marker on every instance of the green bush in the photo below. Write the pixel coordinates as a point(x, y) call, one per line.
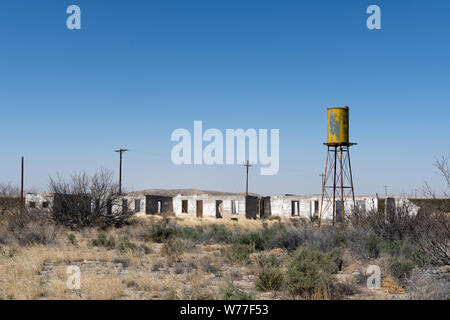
point(268, 261)
point(238, 252)
point(233, 292)
point(401, 268)
point(269, 279)
point(219, 234)
point(103, 241)
point(127, 245)
point(252, 239)
point(159, 232)
point(194, 233)
point(173, 249)
point(309, 270)
point(392, 247)
point(72, 239)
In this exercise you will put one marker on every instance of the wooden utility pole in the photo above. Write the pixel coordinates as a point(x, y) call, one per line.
point(120, 168)
point(385, 190)
point(247, 164)
point(22, 202)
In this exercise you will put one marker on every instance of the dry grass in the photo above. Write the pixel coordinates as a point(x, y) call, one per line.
point(136, 268)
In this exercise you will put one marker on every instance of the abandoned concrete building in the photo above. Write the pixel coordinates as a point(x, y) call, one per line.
point(198, 203)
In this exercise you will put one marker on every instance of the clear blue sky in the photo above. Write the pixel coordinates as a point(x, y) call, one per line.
point(140, 69)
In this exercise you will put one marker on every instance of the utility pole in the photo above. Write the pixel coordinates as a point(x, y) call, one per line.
point(120, 168)
point(247, 164)
point(22, 202)
point(385, 190)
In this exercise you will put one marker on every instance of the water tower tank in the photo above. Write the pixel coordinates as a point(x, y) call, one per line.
point(338, 125)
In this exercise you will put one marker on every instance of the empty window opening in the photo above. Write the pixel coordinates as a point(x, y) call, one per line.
point(184, 206)
point(295, 211)
point(45, 204)
point(234, 207)
point(137, 205)
point(32, 204)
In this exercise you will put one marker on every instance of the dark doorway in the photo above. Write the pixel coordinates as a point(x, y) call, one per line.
point(219, 208)
point(184, 206)
point(158, 204)
point(316, 208)
point(199, 208)
point(265, 209)
point(251, 207)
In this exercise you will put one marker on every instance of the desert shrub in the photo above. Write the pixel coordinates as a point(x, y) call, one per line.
point(253, 240)
point(269, 279)
point(341, 290)
point(309, 270)
point(123, 261)
point(267, 261)
point(432, 236)
point(103, 241)
point(159, 231)
point(234, 292)
point(146, 249)
point(278, 236)
point(28, 227)
point(208, 265)
point(193, 233)
point(173, 249)
point(72, 239)
point(179, 268)
point(126, 245)
point(8, 251)
point(157, 266)
point(238, 252)
point(366, 246)
point(371, 246)
point(428, 230)
point(392, 247)
point(218, 234)
point(422, 285)
point(401, 268)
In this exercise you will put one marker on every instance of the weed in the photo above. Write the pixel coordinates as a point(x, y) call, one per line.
point(103, 241)
point(234, 292)
point(310, 270)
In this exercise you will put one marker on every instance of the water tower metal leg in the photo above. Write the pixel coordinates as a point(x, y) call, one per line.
point(351, 179)
point(324, 181)
point(334, 186)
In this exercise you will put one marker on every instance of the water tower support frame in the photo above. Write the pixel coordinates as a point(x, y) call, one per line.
point(338, 171)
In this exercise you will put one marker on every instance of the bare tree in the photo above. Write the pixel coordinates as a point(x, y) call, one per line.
point(9, 197)
point(442, 169)
point(85, 200)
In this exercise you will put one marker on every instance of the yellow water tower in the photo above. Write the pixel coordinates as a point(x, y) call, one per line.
point(338, 194)
point(337, 125)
